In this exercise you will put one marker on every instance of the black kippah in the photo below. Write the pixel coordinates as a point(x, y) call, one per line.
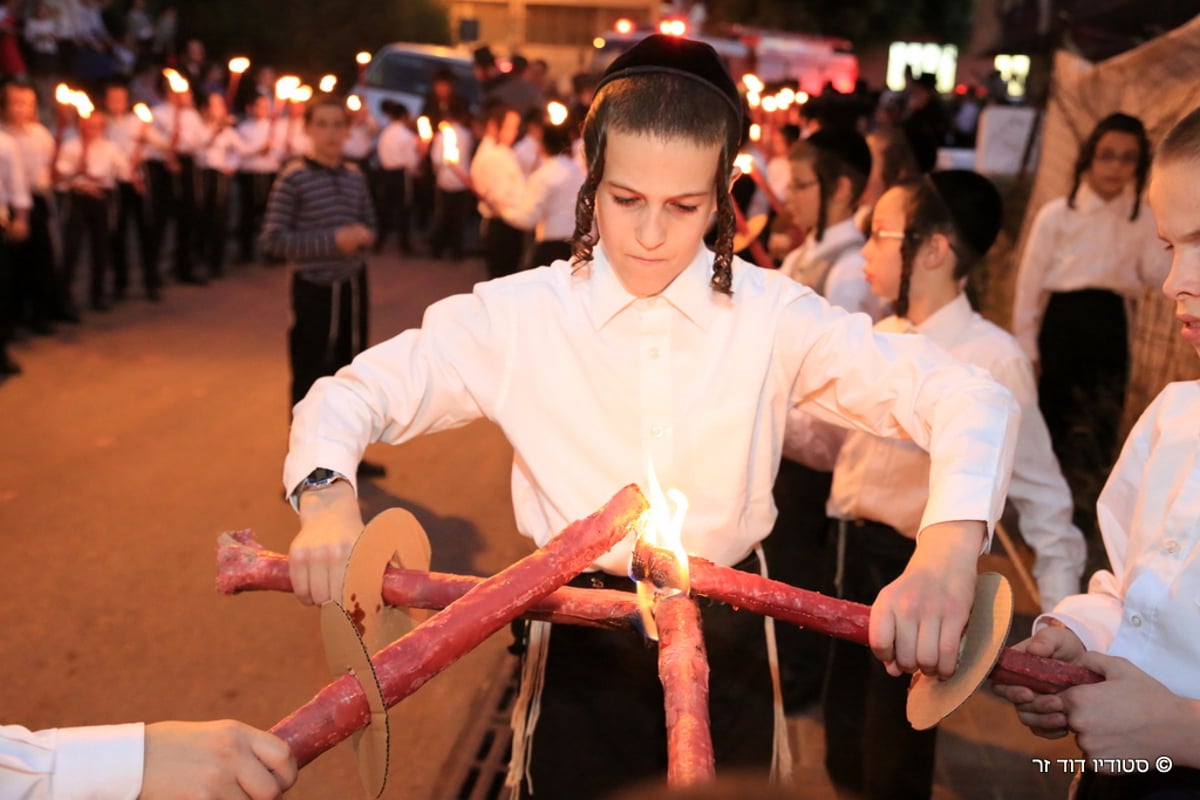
point(846, 143)
point(679, 56)
point(974, 205)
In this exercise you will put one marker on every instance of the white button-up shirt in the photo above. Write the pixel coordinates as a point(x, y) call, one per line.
point(497, 176)
point(103, 762)
point(591, 384)
point(105, 164)
point(263, 146)
point(397, 147)
point(834, 267)
point(1092, 246)
point(36, 146)
point(1147, 607)
point(885, 479)
point(14, 183)
point(547, 202)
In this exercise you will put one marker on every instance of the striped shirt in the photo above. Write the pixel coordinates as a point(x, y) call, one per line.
point(308, 203)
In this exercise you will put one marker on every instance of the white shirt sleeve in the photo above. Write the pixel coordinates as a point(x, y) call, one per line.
point(102, 762)
point(904, 386)
point(1029, 298)
point(1040, 493)
point(530, 205)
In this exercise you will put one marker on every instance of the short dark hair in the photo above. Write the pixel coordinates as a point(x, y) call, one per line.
point(1182, 142)
point(325, 100)
point(834, 154)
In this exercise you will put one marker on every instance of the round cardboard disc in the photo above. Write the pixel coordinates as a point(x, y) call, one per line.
point(345, 653)
point(754, 229)
point(931, 699)
point(393, 536)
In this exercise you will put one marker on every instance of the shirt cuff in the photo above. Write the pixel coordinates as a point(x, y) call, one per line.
point(101, 762)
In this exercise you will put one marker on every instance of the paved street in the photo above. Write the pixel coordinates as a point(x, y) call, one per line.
point(133, 440)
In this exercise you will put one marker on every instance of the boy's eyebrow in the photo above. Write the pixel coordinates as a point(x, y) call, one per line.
point(623, 187)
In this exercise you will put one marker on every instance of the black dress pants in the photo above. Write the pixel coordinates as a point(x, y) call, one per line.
point(329, 328)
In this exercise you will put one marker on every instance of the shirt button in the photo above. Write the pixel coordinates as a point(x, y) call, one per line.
point(1172, 546)
point(1135, 621)
point(659, 431)
point(652, 352)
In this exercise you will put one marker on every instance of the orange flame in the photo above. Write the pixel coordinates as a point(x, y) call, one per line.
point(661, 531)
point(239, 64)
point(424, 129)
point(143, 113)
point(450, 152)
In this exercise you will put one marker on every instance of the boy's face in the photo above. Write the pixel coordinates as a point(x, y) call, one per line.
point(116, 100)
point(22, 104)
point(509, 128)
point(1176, 205)
point(804, 195)
point(1114, 164)
point(653, 206)
point(882, 252)
point(327, 129)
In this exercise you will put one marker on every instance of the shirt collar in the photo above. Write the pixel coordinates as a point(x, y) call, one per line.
point(1088, 201)
point(836, 236)
point(691, 292)
point(944, 327)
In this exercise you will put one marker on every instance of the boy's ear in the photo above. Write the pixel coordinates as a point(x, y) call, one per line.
point(936, 250)
point(734, 174)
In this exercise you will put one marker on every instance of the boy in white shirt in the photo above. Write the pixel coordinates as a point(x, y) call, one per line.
point(1138, 624)
point(499, 181)
point(89, 167)
point(398, 153)
point(649, 347)
point(452, 193)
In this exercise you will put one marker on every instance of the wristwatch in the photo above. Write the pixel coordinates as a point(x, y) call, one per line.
point(319, 478)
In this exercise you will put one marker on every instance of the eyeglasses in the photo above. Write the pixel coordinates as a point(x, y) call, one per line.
point(800, 186)
point(877, 237)
point(1123, 158)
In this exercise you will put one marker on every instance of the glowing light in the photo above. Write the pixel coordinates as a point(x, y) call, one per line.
point(557, 113)
point(672, 27)
point(769, 103)
point(239, 64)
point(62, 94)
point(177, 83)
point(623, 26)
point(302, 94)
point(286, 86)
point(598, 43)
point(354, 103)
point(801, 97)
point(142, 111)
point(753, 99)
point(753, 83)
point(786, 96)
point(363, 58)
point(662, 529)
point(744, 162)
point(424, 129)
point(755, 133)
point(83, 104)
point(450, 152)
point(328, 83)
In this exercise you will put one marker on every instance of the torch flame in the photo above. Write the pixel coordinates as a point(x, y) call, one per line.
point(756, 132)
point(424, 129)
point(175, 81)
point(770, 104)
point(83, 104)
point(62, 94)
point(286, 86)
point(328, 83)
point(450, 153)
point(557, 113)
point(753, 83)
point(363, 58)
point(239, 64)
point(142, 111)
point(354, 103)
point(302, 94)
point(753, 99)
point(661, 531)
point(745, 163)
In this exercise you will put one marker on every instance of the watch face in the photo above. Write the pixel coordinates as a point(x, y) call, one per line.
point(319, 475)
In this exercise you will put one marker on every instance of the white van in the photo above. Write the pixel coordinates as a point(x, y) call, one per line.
point(404, 72)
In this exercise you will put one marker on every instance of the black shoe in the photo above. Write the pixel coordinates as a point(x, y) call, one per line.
point(369, 469)
point(8, 366)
